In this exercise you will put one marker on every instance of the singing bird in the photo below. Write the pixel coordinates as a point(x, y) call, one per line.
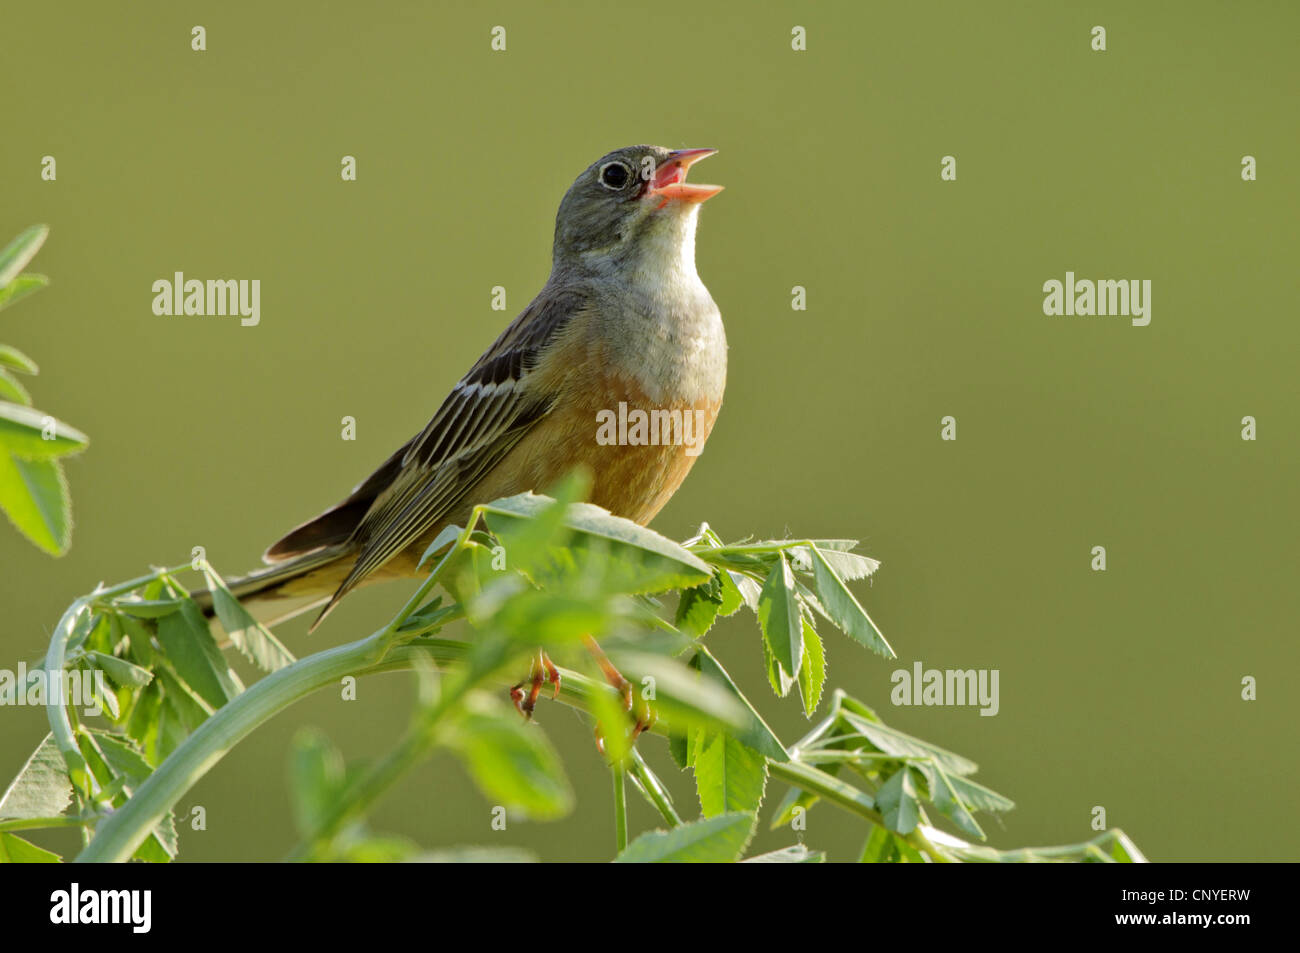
point(623, 319)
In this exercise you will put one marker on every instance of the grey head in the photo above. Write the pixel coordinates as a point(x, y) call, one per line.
point(629, 208)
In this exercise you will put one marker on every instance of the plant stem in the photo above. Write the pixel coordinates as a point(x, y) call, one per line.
point(653, 790)
point(620, 809)
point(119, 835)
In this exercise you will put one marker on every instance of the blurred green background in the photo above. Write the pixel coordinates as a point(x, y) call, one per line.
point(1119, 689)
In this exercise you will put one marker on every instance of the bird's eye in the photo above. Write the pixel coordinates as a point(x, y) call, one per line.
point(614, 175)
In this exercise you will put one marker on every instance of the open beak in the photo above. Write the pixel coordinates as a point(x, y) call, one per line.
point(669, 183)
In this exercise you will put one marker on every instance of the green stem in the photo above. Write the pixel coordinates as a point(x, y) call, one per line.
point(620, 809)
point(40, 823)
point(121, 834)
point(654, 790)
point(125, 830)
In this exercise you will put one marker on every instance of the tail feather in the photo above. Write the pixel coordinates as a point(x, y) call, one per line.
point(287, 589)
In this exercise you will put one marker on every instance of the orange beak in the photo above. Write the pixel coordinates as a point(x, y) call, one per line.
point(670, 183)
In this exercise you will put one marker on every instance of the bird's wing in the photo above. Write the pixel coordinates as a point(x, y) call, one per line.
point(488, 411)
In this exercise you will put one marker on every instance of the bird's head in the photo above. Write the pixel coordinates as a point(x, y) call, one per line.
point(631, 204)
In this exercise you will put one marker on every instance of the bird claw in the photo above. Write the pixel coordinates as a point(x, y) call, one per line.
point(542, 672)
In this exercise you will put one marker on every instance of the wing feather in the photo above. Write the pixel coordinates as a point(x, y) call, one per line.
point(488, 411)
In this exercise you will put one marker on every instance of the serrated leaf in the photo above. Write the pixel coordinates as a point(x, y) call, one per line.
point(645, 561)
point(843, 609)
point(718, 839)
point(254, 641)
point(729, 776)
point(848, 566)
point(124, 673)
point(812, 674)
point(945, 797)
point(42, 788)
point(779, 619)
point(193, 654)
point(698, 607)
point(897, 802)
point(898, 743)
point(757, 734)
point(122, 757)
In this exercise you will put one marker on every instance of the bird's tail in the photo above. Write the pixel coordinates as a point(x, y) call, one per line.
point(288, 588)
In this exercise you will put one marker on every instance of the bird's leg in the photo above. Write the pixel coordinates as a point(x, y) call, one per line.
point(542, 670)
point(644, 719)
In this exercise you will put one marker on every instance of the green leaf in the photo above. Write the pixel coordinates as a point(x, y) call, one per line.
point(42, 788)
point(713, 840)
point(34, 495)
point(511, 761)
point(13, 358)
point(428, 618)
point(885, 847)
point(148, 608)
point(812, 674)
point(253, 640)
point(948, 801)
point(729, 590)
point(729, 776)
point(699, 606)
point(778, 617)
point(757, 734)
point(15, 850)
point(123, 757)
point(902, 745)
point(644, 560)
point(20, 251)
point(193, 653)
point(794, 854)
point(848, 566)
point(23, 433)
point(843, 609)
point(897, 801)
point(682, 696)
point(20, 288)
point(11, 390)
point(124, 673)
point(977, 796)
point(678, 747)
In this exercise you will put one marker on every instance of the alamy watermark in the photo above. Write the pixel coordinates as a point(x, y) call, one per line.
point(652, 428)
point(216, 296)
point(1129, 298)
point(36, 687)
point(946, 687)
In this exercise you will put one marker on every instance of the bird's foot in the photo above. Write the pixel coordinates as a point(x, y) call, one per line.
point(541, 672)
point(645, 716)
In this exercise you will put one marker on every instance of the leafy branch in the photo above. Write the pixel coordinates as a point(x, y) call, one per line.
point(527, 574)
point(33, 489)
